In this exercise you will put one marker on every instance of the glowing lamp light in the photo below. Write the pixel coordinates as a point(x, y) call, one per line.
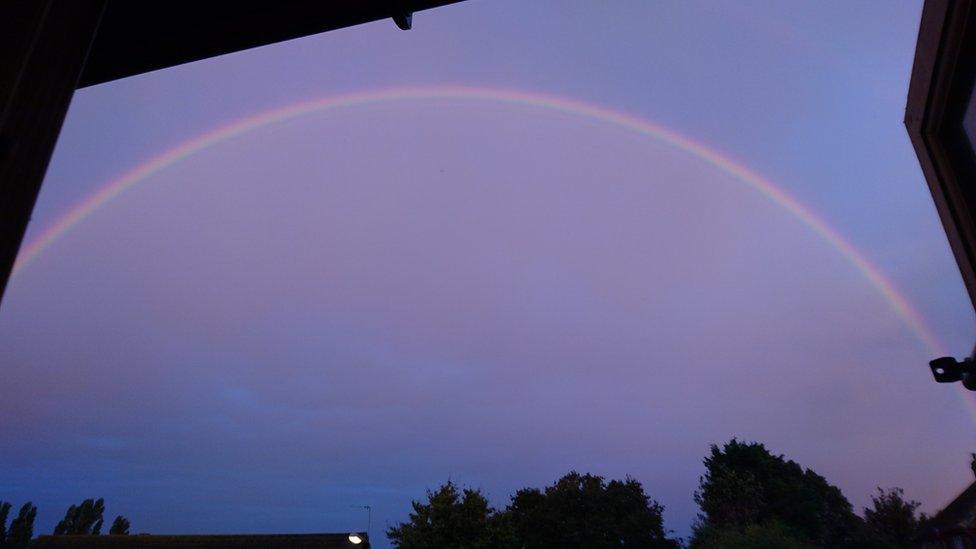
point(355, 539)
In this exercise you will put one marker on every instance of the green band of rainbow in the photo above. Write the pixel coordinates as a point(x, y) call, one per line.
point(105, 194)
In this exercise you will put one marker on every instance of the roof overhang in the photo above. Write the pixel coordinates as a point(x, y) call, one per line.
point(49, 48)
point(137, 37)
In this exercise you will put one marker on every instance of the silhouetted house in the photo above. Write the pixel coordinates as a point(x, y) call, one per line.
point(245, 541)
point(955, 525)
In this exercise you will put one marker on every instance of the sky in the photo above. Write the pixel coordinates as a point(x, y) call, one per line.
point(353, 305)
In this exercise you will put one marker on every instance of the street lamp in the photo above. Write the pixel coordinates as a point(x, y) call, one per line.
point(369, 522)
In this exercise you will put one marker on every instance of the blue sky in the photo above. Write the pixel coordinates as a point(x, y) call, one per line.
point(354, 306)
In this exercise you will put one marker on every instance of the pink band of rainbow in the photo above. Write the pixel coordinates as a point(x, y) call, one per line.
point(105, 194)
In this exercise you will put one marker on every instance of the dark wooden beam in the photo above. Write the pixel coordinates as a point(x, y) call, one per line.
point(939, 92)
point(43, 46)
point(924, 118)
point(137, 37)
point(48, 48)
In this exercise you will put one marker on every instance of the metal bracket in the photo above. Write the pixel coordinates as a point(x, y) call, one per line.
point(402, 15)
point(403, 20)
point(949, 370)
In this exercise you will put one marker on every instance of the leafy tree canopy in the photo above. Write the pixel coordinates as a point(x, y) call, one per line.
point(4, 513)
point(21, 528)
point(582, 510)
point(82, 520)
point(891, 520)
point(451, 518)
point(745, 485)
point(120, 526)
point(576, 511)
point(768, 536)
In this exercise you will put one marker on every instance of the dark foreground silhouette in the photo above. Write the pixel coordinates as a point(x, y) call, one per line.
point(748, 497)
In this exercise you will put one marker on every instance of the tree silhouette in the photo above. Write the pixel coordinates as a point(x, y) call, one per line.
point(891, 520)
point(451, 518)
point(576, 511)
point(84, 519)
point(120, 526)
point(4, 513)
point(745, 485)
point(767, 536)
point(21, 528)
point(582, 510)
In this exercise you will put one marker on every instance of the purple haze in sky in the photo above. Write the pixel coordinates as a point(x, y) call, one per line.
point(354, 306)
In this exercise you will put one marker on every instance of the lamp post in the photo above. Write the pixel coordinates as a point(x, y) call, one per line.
point(369, 517)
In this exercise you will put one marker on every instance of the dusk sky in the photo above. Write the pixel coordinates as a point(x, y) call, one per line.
point(353, 305)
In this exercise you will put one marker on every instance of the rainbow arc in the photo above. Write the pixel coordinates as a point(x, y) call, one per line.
point(750, 178)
